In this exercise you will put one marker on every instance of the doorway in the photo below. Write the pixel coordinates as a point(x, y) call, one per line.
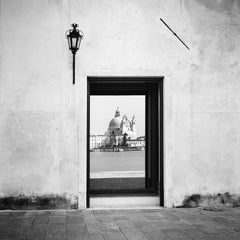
point(122, 162)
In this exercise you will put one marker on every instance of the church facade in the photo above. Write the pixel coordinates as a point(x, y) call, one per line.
point(121, 129)
point(121, 132)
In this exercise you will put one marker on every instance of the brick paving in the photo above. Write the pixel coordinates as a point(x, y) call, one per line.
point(140, 224)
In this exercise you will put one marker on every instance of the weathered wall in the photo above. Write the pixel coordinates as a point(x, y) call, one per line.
point(43, 116)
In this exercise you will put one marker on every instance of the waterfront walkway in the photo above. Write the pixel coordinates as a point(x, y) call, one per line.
point(121, 224)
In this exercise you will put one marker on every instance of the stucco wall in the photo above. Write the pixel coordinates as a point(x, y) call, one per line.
point(43, 116)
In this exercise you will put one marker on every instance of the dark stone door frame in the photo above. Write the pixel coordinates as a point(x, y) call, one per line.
point(152, 88)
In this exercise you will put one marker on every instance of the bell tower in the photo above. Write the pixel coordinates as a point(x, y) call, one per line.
point(133, 126)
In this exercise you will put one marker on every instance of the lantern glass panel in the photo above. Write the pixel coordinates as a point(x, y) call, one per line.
point(69, 42)
point(78, 43)
point(74, 43)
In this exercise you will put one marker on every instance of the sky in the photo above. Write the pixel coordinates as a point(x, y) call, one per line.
point(103, 108)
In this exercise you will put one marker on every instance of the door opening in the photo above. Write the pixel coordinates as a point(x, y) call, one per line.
point(117, 144)
point(125, 150)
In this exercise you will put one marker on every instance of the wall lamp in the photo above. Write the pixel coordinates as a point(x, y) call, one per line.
point(74, 37)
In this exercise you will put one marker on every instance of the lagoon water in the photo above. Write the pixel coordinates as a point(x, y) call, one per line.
point(117, 161)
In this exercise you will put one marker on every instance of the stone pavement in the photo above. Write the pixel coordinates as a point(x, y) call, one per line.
point(121, 224)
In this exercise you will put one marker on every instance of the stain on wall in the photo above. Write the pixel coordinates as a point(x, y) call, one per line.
point(212, 201)
point(220, 5)
point(51, 201)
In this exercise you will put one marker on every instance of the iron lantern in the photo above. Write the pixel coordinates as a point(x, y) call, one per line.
point(74, 37)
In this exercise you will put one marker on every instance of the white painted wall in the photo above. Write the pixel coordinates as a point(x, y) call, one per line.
point(43, 116)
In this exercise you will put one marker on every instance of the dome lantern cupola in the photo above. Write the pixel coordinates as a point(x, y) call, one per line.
point(117, 114)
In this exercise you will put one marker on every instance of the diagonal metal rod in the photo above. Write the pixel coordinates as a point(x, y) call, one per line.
point(175, 34)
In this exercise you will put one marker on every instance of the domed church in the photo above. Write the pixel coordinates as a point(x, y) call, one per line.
point(120, 127)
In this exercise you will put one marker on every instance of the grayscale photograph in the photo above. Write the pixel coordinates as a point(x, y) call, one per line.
point(119, 119)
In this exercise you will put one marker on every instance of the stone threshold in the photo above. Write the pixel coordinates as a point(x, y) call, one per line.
point(120, 174)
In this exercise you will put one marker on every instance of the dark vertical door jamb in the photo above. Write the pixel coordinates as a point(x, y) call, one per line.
point(155, 134)
point(161, 137)
point(88, 142)
point(146, 140)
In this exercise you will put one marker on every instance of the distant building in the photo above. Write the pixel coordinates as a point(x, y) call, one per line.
point(121, 132)
point(141, 138)
point(120, 129)
point(136, 143)
point(97, 141)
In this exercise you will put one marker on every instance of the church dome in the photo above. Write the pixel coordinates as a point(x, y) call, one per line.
point(115, 123)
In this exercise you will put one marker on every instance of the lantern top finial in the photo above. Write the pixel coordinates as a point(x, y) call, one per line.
point(74, 25)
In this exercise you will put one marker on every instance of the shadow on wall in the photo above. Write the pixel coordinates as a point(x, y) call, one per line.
point(50, 201)
point(212, 200)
